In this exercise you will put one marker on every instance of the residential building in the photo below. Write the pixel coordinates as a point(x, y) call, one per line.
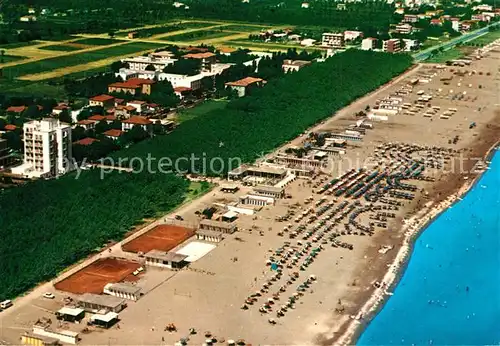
point(404, 28)
point(243, 86)
point(455, 24)
point(138, 105)
point(335, 40)
point(60, 108)
point(27, 19)
point(87, 124)
point(140, 63)
point(86, 141)
point(368, 43)
point(391, 46)
point(5, 157)
point(104, 101)
point(132, 86)
point(143, 122)
point(410, 18)
point(47, 149)
point(436, 22)
point(179, 80)
point(410, 45)
point(113, 134)
point(350, 35)
point(16, 109)
point(206, 59)
point(181, 92)
point(125, 112)
point(294, 65)
point(307, 42)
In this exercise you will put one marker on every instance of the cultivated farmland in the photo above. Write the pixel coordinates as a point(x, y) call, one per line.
point(77, 59)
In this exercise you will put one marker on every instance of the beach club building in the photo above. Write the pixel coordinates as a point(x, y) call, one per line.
point(255, 200)
point(123, 290)
point(162, 259)
point(269, 191)
point(105, 321)
point(207, 235)
point(94, 302)
point(38, 340)
point(218, 226)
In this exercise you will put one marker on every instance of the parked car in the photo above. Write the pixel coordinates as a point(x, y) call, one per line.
point(48, 295)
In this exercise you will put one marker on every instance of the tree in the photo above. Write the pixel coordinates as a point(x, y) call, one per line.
point(78, 133)
point(136, 134)
point(101, 126)
point(14, 139)
point(188, 67)
point(158, 129)
point(111, 34)
point(32, 112)
point(2, 54)
point(117, 65)
point(85, 113)
point(150, 67)
point(65, 116)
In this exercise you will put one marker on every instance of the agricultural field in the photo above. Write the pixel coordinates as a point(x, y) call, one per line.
point(168, 28)
point(198, 35)
point(18, 44)
point(61, 48)
point(243, 28)
point(97, 41)
point(77, 59)
point(10, 58)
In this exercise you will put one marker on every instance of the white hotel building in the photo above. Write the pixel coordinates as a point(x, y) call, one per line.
point(47, 149)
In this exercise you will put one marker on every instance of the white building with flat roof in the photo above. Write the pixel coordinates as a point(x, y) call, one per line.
point(47, 149)
point(139, 63)
point(335, 40)
point(368, 43)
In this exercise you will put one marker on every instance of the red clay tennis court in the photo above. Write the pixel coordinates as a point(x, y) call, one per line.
point(162, 237)
point(94, 277)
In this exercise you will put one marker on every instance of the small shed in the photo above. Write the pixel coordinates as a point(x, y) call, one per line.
point(70, 314)
point(104, 321)
point(95, 302)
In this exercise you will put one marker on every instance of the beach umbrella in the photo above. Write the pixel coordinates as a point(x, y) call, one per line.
point(230, 342)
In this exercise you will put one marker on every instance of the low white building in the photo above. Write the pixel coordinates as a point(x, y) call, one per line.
point(410, 45)
point(139, 63)
point(294, 65)
point(65, 336)
point(211, 236)
point(256, 200)
point(368, 43)
point(308, 42)
point(161, 259)
point(350, 35)
point(123, 290)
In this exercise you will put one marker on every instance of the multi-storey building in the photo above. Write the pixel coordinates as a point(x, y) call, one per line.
point(47, 148)
point(333, 40)
point(391, 46)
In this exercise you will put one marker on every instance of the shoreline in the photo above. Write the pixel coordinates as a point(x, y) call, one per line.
point(412, 229)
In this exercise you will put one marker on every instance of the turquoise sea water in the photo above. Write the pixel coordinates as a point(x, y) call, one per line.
point(450, 291)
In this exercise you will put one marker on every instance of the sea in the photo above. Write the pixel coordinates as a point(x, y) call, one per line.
point(449, 293)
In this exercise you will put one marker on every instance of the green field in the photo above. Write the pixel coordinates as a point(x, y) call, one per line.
point(167, 28)
point(96, 41)
point(450, 54)
point(9, 58)
point(243, 28)
point(18, 44)
point(77, 59)
point(198, 35)
point(485, 39)
point(199, 110)
point(61, 48)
